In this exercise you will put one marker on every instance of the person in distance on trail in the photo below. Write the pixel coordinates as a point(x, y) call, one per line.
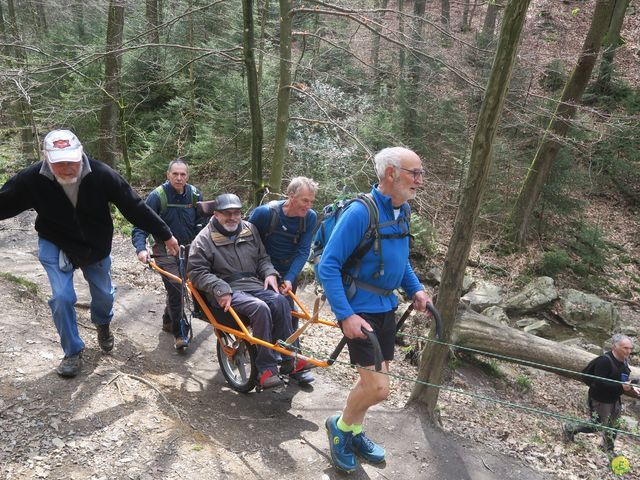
point(71, 193)
point(229, 264)
point(604, 400)
point(372, 306)
point(175, 202)
point(286, 228)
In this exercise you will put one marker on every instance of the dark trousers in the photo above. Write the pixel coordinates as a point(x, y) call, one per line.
point(173, 305)
point(269, 315)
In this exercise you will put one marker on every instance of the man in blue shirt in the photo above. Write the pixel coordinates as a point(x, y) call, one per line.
point(286, 228)
point(175, 202)
point(373, 305)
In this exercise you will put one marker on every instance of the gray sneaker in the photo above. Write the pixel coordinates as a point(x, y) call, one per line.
point(70, 366)
point(181, 343)
point(269, 379)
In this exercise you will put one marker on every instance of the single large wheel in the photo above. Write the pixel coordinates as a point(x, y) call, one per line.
point(237, 358)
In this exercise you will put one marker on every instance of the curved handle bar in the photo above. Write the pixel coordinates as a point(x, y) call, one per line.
point(438, 319)
point(436, 316)
point(377, 352)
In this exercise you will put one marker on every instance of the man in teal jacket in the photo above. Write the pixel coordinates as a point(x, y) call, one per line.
point(372, 306)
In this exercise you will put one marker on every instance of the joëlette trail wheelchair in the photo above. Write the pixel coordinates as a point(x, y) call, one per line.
point(236, 346)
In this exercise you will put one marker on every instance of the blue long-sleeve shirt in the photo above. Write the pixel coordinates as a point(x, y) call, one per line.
point(346, 236)
point(287, 257)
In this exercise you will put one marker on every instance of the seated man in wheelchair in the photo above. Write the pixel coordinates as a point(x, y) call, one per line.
point(229, 264)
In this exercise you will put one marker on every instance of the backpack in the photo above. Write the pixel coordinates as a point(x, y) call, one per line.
point(371, 239)
point(588, 376)
point(164, 202)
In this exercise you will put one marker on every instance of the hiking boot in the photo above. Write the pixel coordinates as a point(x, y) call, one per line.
point(302, 378)
point(340, 446)
point(288, 366)
point(568, 435)
point(70, 366)
point(181, 343)
point(105, 339)
point(270, 379)
point(367, 449)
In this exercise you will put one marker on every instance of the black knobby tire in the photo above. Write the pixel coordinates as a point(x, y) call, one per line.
point(239, 371)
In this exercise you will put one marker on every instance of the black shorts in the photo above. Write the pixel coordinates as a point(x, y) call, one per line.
point(384, 327)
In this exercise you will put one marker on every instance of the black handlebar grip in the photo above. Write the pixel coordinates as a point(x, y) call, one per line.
point(438, 319)
point(377, 352)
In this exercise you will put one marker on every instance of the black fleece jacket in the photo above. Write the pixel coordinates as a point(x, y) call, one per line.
point(84, 232)
point(602, 390)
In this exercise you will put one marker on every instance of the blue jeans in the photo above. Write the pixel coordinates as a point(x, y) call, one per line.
point(63, 295)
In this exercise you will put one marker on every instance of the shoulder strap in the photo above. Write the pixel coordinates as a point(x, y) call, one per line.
point(273, 217)
point(194, 195)
point(274, 223)
point(163, 198)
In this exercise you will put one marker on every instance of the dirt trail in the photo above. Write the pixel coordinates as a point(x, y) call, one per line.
point(145, 412)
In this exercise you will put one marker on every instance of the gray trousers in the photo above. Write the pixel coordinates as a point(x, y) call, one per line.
point(606, 414)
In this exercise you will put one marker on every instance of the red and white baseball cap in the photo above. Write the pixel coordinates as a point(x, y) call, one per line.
point(62, 146)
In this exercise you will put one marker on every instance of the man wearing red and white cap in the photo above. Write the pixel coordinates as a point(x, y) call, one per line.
point(71, 193)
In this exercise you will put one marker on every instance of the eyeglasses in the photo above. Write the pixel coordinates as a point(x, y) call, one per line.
point(416, 173)
point(231, 213)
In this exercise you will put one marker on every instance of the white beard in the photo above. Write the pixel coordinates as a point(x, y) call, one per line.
point(230, 229)
point(67, 181)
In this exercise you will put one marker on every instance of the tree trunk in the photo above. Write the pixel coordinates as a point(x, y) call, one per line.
point(611, 44)
point(401, 53)
point(559, 124)
point(375, 43)
point(190, 129)
point(78, 10)
point(109, 114)
point(464, 26)
point(408, 91)
point(23, 111)
point(435, 355)
point(151, 15)
point(43, 28)
point(263, 30)
point(476, 331)
point(284, 94)
point(254, 101)
point(489, 26)
point(445, 14)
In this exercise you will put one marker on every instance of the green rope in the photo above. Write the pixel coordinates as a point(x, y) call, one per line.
point(505, 403)
point(510, 359)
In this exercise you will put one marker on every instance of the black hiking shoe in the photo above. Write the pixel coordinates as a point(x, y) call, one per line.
point(105, 338)
point(70, 366)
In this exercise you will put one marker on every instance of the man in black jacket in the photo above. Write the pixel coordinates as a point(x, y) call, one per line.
point(71, 194)
point(604, 396)
point(175, 201)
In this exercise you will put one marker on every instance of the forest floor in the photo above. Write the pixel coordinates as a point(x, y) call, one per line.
point(145, 411)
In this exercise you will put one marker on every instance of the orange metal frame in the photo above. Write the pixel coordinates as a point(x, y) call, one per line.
point(242, 332)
